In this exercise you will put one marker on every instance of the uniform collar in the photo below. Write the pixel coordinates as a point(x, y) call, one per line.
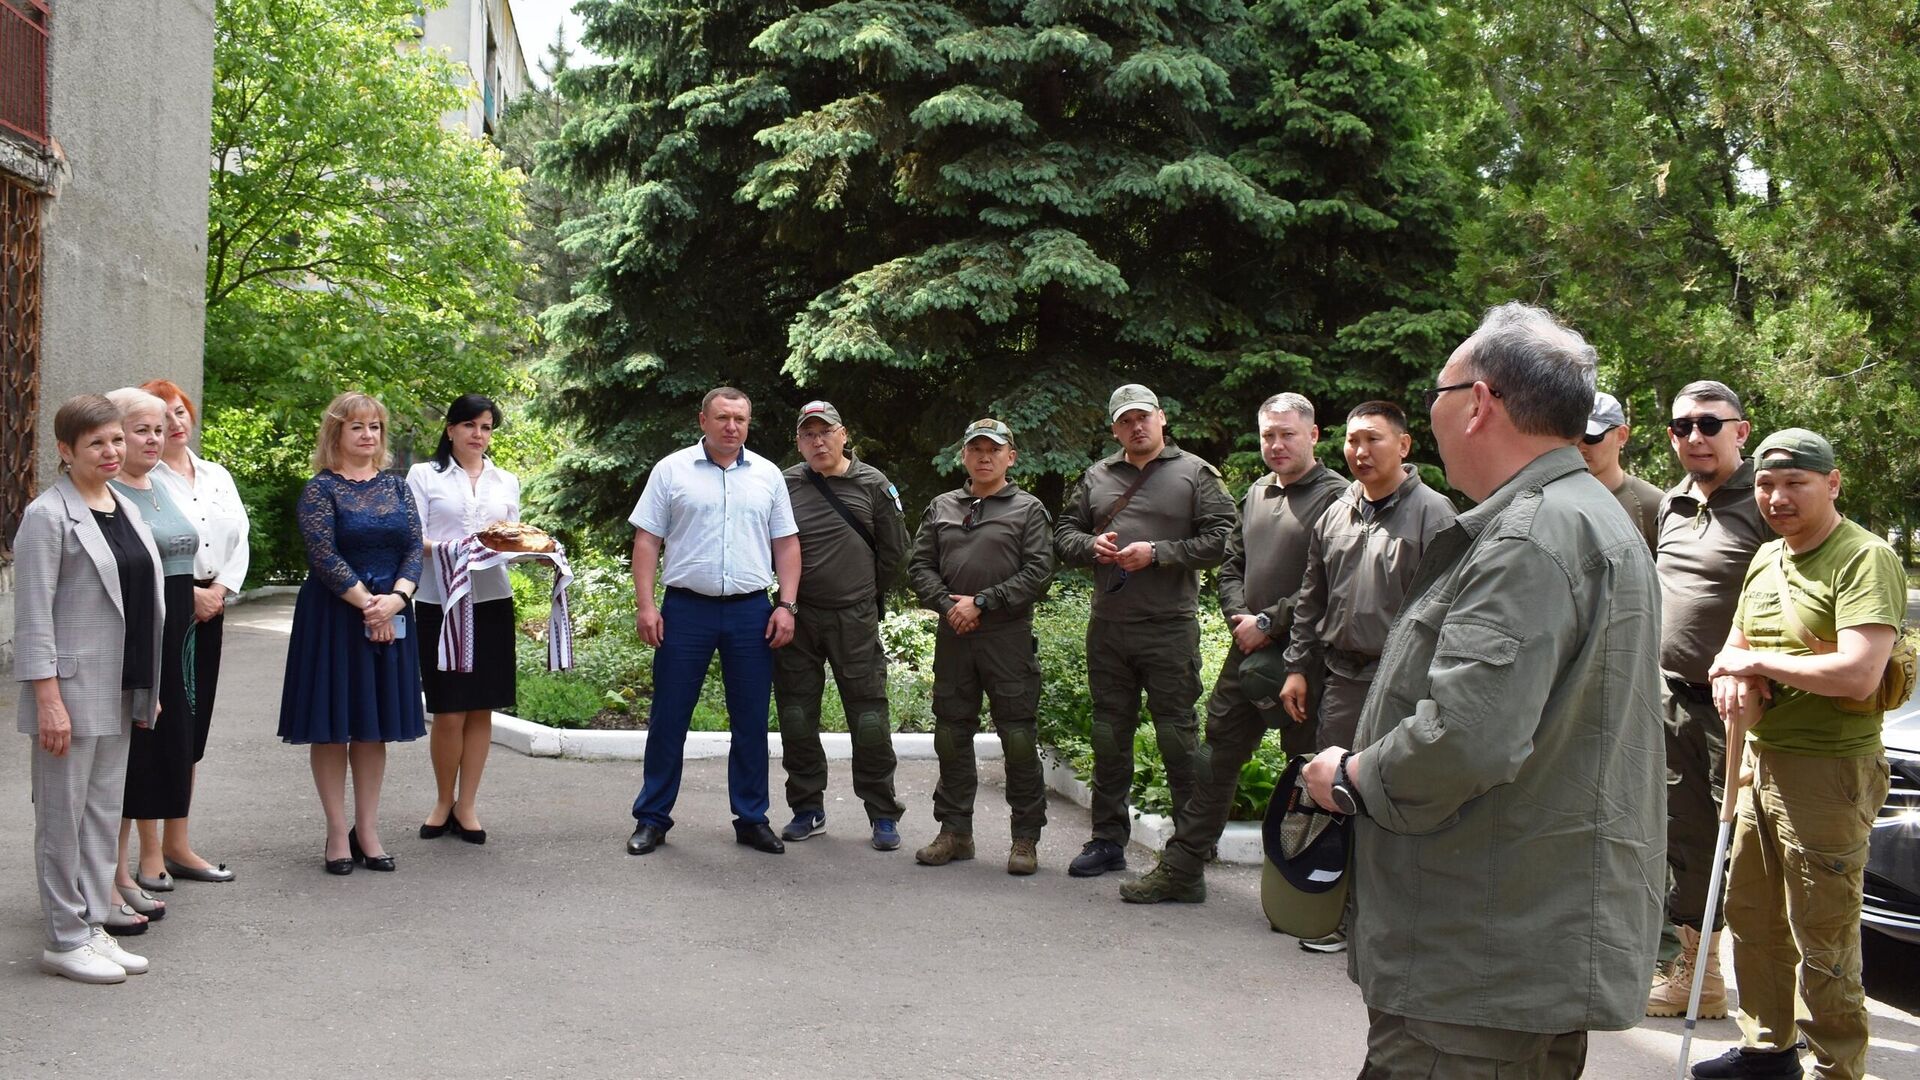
point(1553, 465)
point(1007, 491)
point(1356, 492)
point(1119, 457)
point(1740, 483)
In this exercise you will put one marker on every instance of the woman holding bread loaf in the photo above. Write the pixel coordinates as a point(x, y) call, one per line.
point(458, 493)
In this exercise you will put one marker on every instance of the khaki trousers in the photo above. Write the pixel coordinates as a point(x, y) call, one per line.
point(1793, 902)
point(1401, 1048)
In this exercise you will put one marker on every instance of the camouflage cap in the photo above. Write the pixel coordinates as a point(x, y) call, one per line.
point(1794, 448)
point(1129, 397)
point(818, 410)
point(988, 428)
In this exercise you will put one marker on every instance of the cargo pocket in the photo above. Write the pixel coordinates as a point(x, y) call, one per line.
point(66, 667)
point(1487, 652)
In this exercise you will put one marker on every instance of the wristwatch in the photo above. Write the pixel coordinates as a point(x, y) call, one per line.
point(791, 607)
point(1346, 801)
point(1263, 622)
point(980, 601)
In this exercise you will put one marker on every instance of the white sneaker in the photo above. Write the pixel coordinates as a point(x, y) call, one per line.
point(104, 944)
point(82, 964)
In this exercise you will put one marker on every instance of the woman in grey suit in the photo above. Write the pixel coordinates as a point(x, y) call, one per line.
point(86, 640)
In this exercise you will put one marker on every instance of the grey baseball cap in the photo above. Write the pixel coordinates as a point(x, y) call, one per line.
point(1607, 414)
point(988, 428)
point(818, 410)
point(1131, 396)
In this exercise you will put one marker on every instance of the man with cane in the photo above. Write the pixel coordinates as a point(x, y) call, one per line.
point(1803, 664)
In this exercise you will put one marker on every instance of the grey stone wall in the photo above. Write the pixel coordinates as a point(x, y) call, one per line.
point(130, 87)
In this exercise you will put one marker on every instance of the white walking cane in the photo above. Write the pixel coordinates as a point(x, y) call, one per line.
point(1729, 806)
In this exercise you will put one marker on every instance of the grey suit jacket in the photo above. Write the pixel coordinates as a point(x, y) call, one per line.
point(68, 620)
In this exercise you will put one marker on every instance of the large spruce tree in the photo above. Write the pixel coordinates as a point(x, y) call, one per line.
point(933, 211)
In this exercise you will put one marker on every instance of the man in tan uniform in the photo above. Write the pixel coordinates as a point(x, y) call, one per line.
point(1147, 520)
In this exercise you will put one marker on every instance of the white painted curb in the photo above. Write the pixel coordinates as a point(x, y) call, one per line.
point(1240, 843)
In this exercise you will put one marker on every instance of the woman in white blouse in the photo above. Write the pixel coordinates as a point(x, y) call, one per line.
point(458, 493)
point(206, 495)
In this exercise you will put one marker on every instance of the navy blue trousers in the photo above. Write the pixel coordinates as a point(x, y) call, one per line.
point(697, 627)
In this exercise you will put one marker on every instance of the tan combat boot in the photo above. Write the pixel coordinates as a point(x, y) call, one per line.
point(1024, 858)
point(946, 848)
point(1674, 985)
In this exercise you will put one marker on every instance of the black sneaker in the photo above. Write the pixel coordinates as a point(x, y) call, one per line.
point(1098, 857)
point(1743, 1063)
point(804, 824)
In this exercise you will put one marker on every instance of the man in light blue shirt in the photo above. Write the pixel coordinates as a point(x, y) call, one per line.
point(723, 519)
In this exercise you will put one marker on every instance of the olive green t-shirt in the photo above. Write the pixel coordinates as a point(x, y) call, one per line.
point(1852, 579)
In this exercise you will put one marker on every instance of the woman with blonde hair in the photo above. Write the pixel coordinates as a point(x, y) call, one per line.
point(86, 651)
point(353, 681)
point(160, 758)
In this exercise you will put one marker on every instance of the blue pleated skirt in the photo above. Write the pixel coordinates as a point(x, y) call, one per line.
point(339, 686)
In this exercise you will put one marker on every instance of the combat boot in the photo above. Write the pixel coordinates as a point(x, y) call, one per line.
point(1024, 858)
point(947, 847)
point(1164, 883)
point(1673, 986)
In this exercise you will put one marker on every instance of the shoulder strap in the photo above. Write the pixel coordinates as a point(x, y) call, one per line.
point(820, 484)
point(1788, 610)
point(1127, 496)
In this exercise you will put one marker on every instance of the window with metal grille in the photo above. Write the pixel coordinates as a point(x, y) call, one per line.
point(23, 69)
point(19, 352)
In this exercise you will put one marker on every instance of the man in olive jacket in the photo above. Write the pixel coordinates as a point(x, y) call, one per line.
point(1147, 520)
point(1509, 833)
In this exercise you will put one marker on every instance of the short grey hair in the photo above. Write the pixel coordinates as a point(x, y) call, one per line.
point(1542, 369)
point(1280, 404)
point(1711, 390)
point(132, 399)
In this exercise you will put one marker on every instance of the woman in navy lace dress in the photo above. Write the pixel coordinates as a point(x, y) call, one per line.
point(353, 677)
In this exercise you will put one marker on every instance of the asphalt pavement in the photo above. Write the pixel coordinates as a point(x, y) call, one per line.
point(549, 952)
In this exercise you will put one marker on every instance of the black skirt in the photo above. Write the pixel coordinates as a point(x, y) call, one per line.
point(490, 685)
point(160, 759)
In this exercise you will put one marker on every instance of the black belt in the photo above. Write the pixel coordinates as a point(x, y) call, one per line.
point(1698, 693)
point(735, 598)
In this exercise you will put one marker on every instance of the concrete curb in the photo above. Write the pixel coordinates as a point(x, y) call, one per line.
point(1240, 843)
point(264, 592)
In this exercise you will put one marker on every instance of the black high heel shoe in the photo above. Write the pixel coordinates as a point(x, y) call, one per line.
point(435, 832)
point(471, 836)
point(371, 862)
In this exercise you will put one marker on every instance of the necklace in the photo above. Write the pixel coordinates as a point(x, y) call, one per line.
point(152, 496)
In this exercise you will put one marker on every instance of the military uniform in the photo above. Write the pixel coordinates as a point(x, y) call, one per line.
point(1360, 560)
point(1266, 556)
point(1705, 546)
point(995, 549)
point(838, 622)
point(1144, 633)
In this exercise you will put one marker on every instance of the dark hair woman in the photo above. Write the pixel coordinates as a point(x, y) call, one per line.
point(458, 493)
point(86, 650)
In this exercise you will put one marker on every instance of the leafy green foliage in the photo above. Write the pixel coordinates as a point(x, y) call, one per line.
point(353, 242)
point(932, 211)
point(1711, 191)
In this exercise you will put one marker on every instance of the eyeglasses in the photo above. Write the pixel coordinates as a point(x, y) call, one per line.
point(1596, 440)
point(966, 523)
point(1119, 581)
point(818, 436)
point(1433, 395)
point(1709, 425)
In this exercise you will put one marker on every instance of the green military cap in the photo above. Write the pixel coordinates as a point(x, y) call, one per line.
point(818, 410)
point(989, 428)
point(1795, 448)
point(1131, 396)
point(1262, 674)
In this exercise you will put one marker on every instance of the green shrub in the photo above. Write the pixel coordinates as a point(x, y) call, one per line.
point(558, 699)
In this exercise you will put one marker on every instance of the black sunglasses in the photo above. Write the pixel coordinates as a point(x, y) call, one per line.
point(966, 523)
point(1595, 440)
point(1433, 395)
point(1709, 425)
